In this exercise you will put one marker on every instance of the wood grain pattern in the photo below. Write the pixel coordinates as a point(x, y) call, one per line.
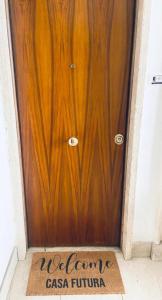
point(73, 194)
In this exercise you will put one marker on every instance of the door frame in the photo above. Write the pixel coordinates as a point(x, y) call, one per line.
point(138, 75)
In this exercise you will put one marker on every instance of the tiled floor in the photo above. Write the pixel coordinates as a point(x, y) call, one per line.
point(142, 280)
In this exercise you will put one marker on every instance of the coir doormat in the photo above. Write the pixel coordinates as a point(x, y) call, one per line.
point(74, 273)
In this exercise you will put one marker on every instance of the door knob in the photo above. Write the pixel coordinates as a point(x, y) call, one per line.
point(119, 139)
point(72, 66)
point(73, 141)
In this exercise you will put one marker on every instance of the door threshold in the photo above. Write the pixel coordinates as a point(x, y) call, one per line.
point(66, 249)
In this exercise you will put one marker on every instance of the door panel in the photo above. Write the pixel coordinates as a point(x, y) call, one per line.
point(73, 194)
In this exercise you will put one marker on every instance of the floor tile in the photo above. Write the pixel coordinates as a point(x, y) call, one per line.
point(42, 298)
point(34, 249)
point(139, 277)
point(19, 284)
point(92, 297)
point(142, 279)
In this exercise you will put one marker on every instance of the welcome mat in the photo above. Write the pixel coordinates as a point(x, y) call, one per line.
point(74, 273)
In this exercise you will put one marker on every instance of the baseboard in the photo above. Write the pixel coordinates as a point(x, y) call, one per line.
point(156, 252)
point(6, 283)
point(141, 249)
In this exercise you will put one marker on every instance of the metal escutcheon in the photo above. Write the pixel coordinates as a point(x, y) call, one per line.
point(73, 141)
point(119, 139)
point(72, 66)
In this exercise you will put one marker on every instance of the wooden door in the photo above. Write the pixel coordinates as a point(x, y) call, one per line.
point(72, 62)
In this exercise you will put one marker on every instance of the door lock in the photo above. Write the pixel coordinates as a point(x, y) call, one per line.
point(119, 139)
point(72, 66)
point(73, 141)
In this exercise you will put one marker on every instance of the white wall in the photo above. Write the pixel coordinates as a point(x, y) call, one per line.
point(12, 229)
point(7, 212)
point(149, 173)
point(7, 217)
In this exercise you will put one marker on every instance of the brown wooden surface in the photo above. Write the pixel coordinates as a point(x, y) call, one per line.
point(73, 194)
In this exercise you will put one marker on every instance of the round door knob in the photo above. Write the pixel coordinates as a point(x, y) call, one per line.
point(73, 141)
point(119, 139)
point(72, 66)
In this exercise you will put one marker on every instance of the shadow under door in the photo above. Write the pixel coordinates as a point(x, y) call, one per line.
point(72, 62)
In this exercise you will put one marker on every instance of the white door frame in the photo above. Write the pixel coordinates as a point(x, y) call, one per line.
point(7, 88)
